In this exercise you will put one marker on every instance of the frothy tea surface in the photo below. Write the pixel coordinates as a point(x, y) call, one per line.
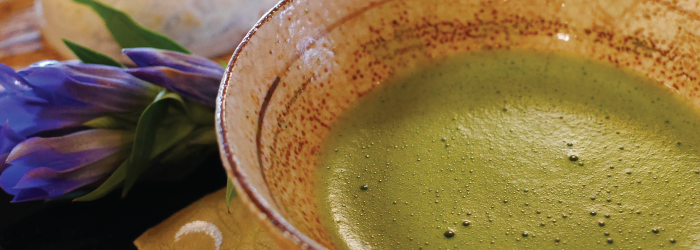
point(513, 150)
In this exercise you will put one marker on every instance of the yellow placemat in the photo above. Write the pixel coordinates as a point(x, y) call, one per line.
point(208, 224)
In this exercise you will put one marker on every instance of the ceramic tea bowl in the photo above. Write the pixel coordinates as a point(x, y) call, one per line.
point(308, 60)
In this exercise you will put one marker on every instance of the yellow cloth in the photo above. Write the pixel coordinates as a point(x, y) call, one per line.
point(206, 221)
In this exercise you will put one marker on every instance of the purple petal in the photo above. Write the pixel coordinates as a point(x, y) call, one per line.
point(54, 183)
point(30, 194)
point(60, 187)
point(67, 94)
point(47, 193)
point(11, 81)
point(194, 77)
point(10, 176)
point(19, 113)
point(53, 191)
point(147, 57)
point(49, 178)
point(37, 177)
point(197, 87)
point(84, 85)
point(65, 152)
point(28, 118)
point(45, 157)
point(3, 165)
point(60, 164)
point(8, 140)
point(49, 86)
point(63, 187)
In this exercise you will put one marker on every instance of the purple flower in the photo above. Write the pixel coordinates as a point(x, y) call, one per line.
point(8, 140)
point(41, 168)
point(51, 97)
point(194, 77)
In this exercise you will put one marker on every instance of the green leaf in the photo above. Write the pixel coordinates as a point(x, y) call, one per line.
point(114, 181)
point(223, 64)
point(110, 122)
point(88, 55)
point(201, 114)
point(127, 32)
point(230, 192)
point(145, 138)
point(179, 152)
point(172, 131)
point(172, 145)
point(204, 136)
point(180, 103)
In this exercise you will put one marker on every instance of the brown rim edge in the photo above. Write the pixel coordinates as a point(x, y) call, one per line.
point(230, 163)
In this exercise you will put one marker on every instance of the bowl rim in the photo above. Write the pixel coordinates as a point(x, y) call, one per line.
point(257, 203)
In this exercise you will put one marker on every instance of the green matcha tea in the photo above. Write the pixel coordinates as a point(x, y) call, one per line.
point(513, 150)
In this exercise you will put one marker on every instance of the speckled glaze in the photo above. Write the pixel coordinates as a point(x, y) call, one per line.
point(306, 61)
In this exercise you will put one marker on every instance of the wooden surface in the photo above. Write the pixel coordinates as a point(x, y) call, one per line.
point(20, 35)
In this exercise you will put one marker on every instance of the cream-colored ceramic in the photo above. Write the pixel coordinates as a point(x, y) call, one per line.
point(308, 60)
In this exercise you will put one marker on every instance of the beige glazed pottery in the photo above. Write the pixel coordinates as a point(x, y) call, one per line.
point(308, 60)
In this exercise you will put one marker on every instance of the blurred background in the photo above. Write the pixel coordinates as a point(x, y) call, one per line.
point(32, 30)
